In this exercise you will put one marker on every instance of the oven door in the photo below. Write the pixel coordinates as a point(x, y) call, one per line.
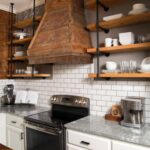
point(40, 138)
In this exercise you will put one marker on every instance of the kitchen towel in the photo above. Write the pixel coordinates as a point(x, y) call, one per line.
point(32, 97)
point(21, 96)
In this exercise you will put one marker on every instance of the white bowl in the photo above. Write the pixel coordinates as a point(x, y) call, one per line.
point(138, 11)
point(111, 66)
point(139, 6)
point(145, 67)
point(126, 38)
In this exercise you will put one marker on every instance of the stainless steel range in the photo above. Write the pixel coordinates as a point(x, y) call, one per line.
point(45, 131)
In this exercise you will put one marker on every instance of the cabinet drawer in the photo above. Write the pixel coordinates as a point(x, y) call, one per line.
point(117, 145)
point(14, 121)
point(88, 141)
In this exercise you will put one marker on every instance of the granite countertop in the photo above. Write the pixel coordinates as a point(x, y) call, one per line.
point(96, 125)
point(22, 110)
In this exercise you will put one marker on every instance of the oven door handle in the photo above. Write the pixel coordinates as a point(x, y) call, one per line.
point(48, 131)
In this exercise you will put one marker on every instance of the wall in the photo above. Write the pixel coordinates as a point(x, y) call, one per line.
point(72, 79)
point(4, 18)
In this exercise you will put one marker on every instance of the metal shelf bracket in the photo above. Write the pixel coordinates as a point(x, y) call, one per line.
point(106, 8)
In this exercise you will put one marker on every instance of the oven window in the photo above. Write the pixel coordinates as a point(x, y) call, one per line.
point(37, 140)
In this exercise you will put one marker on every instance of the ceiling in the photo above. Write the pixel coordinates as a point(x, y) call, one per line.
point(20, 5)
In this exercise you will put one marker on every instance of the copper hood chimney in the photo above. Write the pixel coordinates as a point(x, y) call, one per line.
point(61, 37)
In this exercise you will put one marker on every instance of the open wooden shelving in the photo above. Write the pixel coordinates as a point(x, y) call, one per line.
point(21, 41)
point(122, 48)
point(121, 75)
point(124, 21)
point(26, 23)
point(30, 75)
point(91, 4)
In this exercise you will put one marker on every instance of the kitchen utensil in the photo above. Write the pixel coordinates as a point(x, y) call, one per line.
point(113, 17)
point(126, 38)
point(115, 42)
point(111, 65)
point(108, 42)
point(138, 8)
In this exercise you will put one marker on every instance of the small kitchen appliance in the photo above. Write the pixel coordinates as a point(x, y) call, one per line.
point(8, 98)
point(133, 112)
point(46, 131)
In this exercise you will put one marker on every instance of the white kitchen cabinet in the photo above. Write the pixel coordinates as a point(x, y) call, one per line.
point(72, 147)
point(87, 141)
point(15, 139)
point(3, 128)
point(15, 132)
point(117, 145)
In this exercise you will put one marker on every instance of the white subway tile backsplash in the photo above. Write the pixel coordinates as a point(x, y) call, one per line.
point(72, 80)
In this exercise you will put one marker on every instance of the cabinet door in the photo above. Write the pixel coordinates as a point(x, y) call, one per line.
point(72, 147)
point(116, 145)
point(3, 128)
point(15, 138)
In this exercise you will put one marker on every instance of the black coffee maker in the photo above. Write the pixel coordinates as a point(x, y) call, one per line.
point(8, 98)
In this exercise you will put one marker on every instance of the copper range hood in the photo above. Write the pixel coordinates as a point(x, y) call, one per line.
point(61, 37)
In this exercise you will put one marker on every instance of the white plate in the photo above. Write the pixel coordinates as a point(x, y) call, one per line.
point(112, 17)
point(144, 71)
point(110, 71)
point(17, 55)
point(138, 11)
point(146, 61)
point(29, 72)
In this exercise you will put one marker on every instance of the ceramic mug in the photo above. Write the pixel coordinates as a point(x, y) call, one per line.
point(108, 42)
point(115, 42)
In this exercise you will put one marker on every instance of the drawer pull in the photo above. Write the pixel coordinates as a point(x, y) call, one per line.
point(85, 143)
point(14, 122)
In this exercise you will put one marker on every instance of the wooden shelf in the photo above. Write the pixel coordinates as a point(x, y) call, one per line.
point(30, 75)
point(122, 48)
point(91, 4)
point(22, 41)
point(121, 75)
point(124, 21)
point(27, 22)
point(19, 58)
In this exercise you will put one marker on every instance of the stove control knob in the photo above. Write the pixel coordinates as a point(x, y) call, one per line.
point(76, 101)
point(54, 99)
point(84, 102)
point(80, 102)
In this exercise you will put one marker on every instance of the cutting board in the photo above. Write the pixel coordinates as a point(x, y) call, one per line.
point(2, 147)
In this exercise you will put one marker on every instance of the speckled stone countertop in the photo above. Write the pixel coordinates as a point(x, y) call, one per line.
point(22, 110)
point(96, 125)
